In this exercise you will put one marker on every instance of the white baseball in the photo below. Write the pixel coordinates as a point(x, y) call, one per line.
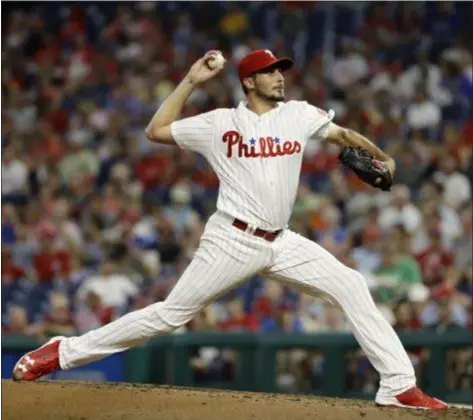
point(215, 61)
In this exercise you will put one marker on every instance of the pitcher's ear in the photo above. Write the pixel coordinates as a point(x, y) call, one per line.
point(247, 84)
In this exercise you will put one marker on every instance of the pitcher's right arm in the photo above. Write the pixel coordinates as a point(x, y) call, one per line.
point(159, 128)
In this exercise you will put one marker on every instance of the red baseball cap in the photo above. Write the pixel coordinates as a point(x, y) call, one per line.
point(260, 59)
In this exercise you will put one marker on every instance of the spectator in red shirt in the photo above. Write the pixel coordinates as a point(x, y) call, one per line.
point(435, 260)
point(378, 18)
point(155, 170)
point(237, 319)
point(271, 306)
point(11, 273)
point(93, 313)
point(322, 162)
point(270, 302)
point(74, 25)
point(56, 118)
point(50, 263)
point(49, 54)
point(406, 319)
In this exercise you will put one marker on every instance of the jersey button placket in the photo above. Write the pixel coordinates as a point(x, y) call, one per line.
point(264, 191)
point(268, 165)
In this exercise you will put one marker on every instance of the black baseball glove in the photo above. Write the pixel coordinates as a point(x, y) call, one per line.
point(367, 168)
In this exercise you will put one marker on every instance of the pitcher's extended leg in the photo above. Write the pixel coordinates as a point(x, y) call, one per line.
point(225, 257)
point(313, 270)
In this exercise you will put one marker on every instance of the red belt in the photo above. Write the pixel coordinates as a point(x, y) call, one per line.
point(267, 235)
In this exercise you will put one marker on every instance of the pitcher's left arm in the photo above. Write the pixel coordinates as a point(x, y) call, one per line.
point(345, 137)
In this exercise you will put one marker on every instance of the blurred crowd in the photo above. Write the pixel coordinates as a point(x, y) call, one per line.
point(97, 221)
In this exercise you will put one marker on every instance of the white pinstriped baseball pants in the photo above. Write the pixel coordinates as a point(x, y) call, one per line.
point(228, 256)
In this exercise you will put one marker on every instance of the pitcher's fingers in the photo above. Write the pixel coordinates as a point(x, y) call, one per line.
point(211, 53)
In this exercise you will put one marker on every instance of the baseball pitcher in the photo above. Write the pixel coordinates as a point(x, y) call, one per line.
point(256, 150)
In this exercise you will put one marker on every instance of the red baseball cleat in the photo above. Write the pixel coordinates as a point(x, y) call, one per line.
point(40, 362)
point(413, 398)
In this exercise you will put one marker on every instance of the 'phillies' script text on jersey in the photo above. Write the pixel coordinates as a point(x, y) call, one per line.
point(269, 147)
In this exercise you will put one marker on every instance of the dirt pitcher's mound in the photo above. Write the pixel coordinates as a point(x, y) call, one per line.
point(54, 400)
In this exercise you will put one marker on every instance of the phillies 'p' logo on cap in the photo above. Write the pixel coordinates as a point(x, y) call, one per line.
point(259, 60)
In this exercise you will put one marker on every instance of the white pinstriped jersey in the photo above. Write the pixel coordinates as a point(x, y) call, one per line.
point(257, 159)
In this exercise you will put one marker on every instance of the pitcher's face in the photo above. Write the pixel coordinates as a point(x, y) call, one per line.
point(268, 84)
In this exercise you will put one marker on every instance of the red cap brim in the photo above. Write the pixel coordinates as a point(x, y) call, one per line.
point(282, 64)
